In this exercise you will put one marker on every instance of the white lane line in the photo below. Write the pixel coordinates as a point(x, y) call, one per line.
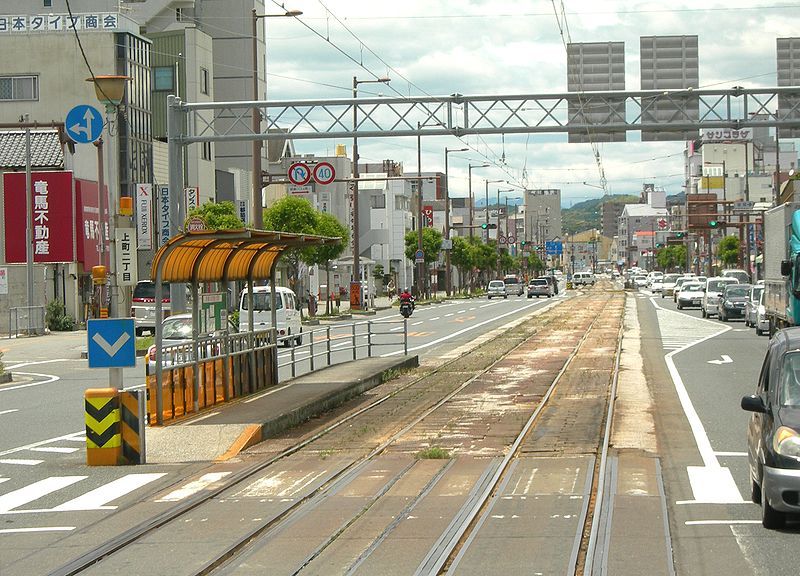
point(719, 522)
point(193, 487)
point(56, 449)
point(743, 454)
point(76, 436)
point(434, 318)
point(473, 308)
point(254, 398)
point(198, 419)
point(48, 378)
point(20, 462)
point(37, 362)
point(98, 498)
point(8, 411)
point(416, 323)
point(36, 490)
point(448, 315)
point(395, 329)
point(461, 311)
point(43, 529)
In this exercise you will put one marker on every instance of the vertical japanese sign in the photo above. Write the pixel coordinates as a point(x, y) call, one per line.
point(51, 216)
point(192, 198)
point(126, 268)
point(163, 215)
point(144, 216)
point(427, 216)
point(244, 211)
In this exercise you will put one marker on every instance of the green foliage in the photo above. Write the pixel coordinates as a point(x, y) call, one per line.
point(291, 214)
point(535, 263)
point(672, 257)
point(433, 453)
point(218, 215)
point(431, 244)
point(327, 225)
point(56, 317)
point(729, 250)
point(508, 263)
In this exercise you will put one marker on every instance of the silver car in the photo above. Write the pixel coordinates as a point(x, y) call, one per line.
point(751, 306)
point(496, 289)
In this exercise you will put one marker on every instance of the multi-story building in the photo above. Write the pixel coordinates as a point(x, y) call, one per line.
point(639, 230)
point(542, 215)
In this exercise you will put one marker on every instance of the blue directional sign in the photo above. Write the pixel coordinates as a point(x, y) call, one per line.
point(84, 124)
point(112, 343)
point(553, 248)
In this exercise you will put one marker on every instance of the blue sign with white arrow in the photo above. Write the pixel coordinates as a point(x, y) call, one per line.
point(112, 343)
point(84, 124)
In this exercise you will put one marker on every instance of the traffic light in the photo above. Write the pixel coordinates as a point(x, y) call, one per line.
point(488, 226)
point(523, 243)
point(680, 234)
point(659, 245)
point(714, 224)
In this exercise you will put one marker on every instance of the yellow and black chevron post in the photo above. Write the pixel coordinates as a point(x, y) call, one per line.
point(103, 441)
point(132, 430)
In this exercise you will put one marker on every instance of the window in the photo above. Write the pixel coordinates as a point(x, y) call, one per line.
point(48, 3)
point(203, 81)
point(206, 154)
point(163, 78)
point(378, 201)
point(19, 87)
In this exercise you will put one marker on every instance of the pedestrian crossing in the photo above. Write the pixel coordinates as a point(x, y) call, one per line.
point(680, 330)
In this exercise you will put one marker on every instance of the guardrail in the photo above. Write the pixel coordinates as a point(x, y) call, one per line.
point(217, 369)
point(27, 319)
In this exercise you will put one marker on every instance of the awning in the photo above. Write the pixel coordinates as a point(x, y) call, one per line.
point(227, 255)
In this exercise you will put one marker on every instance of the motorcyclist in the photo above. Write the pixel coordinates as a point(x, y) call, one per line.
point(406, 296)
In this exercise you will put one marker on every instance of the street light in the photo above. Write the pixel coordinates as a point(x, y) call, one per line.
point(109, 90)
point(258, 208)
point(498, 223)
point(447, 217)
point(471, 199)
point(355, 295)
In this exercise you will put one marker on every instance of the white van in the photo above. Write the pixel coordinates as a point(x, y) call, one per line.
point(287, 311)
point(584, 278)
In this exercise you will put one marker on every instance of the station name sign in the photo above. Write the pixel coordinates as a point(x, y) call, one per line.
point(23, 23)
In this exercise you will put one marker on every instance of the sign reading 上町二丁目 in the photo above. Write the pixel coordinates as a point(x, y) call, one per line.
point(126, 264)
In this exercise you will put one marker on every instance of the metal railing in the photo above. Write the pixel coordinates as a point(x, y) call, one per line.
point(215, 369)
point(25, 319)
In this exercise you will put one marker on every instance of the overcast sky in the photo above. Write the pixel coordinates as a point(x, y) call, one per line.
point(477, 47)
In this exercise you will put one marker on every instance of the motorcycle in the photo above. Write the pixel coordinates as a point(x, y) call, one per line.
point(406, 308)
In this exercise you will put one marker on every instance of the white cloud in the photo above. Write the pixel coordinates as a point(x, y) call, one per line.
point(487, 47)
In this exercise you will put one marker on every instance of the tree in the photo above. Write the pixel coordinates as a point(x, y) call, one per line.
point(327, 225)
point(671, 257)
point(431, 245)
point(535, 263)
point(218, 215)
point(729, 250)
point(461, 256)
point(296, 215)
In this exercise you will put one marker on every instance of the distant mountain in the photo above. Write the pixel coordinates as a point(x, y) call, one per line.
point(586, 215)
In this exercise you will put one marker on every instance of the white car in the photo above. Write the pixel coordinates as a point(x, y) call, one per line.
point(690, 294)
point(762, 322)
point(656, 285)
point(714, 289)
point(668, 284)
point(496, 289)
point(640, 281)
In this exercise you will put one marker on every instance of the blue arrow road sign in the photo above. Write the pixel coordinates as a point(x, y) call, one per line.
point(112, 343)
point(84, 124)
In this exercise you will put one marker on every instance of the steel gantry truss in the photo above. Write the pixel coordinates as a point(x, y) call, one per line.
point(459, 115)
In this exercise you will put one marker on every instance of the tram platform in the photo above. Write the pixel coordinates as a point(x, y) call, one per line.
point(227, 429)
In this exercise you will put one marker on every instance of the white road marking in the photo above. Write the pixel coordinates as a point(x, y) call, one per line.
point(193, 487)
point(744, 454)
point(416, 323)
point(76, 436)
point(254, 398)
point(460, 311)
point(448, 315)
point(395, 329)
point(98, 498)
point(20, 461)
point(719, 522)
point(9, 411)
point(48, 378)
point(56, 449)
point(36, 490)
point(43, 529)
point(434, 318)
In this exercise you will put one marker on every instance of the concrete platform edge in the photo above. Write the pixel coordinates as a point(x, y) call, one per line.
point(301, 414)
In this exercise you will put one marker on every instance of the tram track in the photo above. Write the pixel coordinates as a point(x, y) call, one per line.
point(229, 560)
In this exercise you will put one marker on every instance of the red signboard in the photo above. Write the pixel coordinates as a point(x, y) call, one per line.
point(87, 224)
point(51, 214)
point(427, 216)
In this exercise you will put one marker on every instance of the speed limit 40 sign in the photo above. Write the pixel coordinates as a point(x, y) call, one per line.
point(324, 173)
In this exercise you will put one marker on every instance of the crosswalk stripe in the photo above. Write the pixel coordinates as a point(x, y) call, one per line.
point(20, 461)
point(98, 498)
point(193, 487)
point(36, 490)
point(42, 529)
point(56, 449)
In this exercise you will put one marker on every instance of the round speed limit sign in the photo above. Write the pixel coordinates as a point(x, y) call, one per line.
point(324, 173)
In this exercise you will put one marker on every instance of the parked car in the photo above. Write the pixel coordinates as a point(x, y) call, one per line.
point(751, 306)
point(287, 313)
point(732, 302)
point(762, 321)
point(691, 294)
point(514, 285)
point(540, 287)
point(714, 287)
point(773, 441)
point(176, 330)
point(496, 289)
point(668, 284)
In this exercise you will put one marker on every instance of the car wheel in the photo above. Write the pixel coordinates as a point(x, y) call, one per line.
point(759, 331)
point(299, 340)
point(771, 518)
point(680, 306)
point(505, 297)
point(755, 492)
point(703, 312)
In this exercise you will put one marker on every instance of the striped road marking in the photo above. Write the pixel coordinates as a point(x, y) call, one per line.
point(193, 487)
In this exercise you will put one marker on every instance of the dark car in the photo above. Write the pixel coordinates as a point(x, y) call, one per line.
point(773, 440)
point(732, 301)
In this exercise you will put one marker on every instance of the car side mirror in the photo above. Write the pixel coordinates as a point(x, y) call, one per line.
point(786, 267)
point(753, 403)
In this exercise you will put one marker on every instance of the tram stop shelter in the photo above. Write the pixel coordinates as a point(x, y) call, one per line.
point(219, 256)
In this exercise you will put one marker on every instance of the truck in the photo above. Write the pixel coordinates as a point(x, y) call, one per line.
point(782, 266)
